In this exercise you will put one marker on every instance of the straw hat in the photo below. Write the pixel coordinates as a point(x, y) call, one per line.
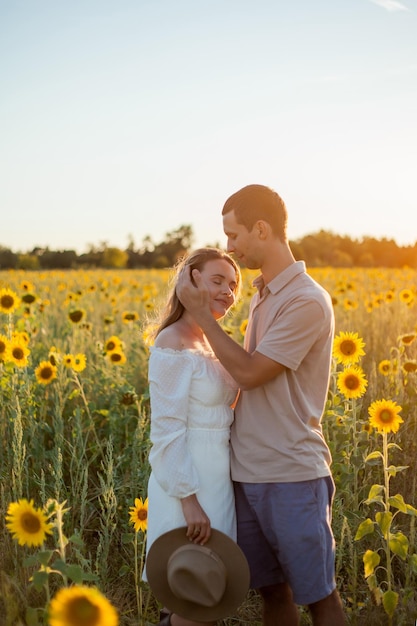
point(201, 583)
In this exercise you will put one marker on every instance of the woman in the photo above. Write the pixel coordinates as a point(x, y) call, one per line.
point(191, 396)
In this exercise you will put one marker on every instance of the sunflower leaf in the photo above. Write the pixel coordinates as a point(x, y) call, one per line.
point(75, 573)
point(389, 602)
point(374, 455)
point(31, 560)
point(394, 469)
point(398, 544)
point(397, 502)
point(44, 556)
point(31, 616)
point(375, 494)
point(384, 521)
point(365, 528)
point(411, 510)
point(371, 560)
point(39, 579)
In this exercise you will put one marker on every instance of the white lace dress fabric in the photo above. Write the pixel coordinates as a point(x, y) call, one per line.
point(190, 395)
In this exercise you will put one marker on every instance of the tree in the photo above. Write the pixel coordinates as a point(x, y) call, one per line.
point(114, 258)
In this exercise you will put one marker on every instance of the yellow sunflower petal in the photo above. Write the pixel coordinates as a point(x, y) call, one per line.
point(348, 348)
point(26, 523)
point(139, 514)
point(383, 415)
point(352, 382)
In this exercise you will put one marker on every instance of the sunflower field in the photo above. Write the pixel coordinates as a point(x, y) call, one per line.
point(74, 426)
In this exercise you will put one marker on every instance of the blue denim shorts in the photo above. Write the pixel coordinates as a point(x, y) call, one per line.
point(285, 531)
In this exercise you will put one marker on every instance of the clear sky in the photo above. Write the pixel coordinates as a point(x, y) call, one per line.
point(132, 117)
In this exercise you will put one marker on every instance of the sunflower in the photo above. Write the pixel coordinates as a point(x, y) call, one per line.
point(117, 357)
point(54, 356)
point(349, 304)
point(81, 606)
point(407, 339)
point(409, 366)
point(406, 296)
point(68, 360)
point(9, 301)
point(148, 334)
point(45, 372)
point(28, 298)
point(383, 415)
point(18, 353)
point(243, 327)
point(385, 367)
point(369, 306)
point(129, 316)
point(21, 336)
point(27, 524)
point(25, 285)
point(351, 382)
point(112, 343)
point(80, 361)
point(139, 514)
point(4, 345)
point(76, 315)
point(348, 348)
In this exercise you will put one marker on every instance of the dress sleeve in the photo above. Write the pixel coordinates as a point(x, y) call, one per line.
point(170, 375)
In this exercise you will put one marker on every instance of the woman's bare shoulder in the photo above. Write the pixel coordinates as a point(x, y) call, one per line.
point(171, 337)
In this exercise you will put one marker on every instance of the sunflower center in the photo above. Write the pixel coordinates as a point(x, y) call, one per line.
point(385, 416)
point(2, 347)
point(76, 316)
point(30, 523)
point(18, 353)
point(46, 373)
point(130, 316)
point(110, 346)
point(352, 382)
point(7, 301)
point(348, 347)
point(82, 613)
point(28, 298)
point(116, 357)
point(142, 514)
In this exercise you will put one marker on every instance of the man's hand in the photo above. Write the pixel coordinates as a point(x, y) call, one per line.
point(193, 294)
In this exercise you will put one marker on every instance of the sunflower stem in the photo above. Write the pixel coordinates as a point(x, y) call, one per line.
point(138, 596)
point(387, 507)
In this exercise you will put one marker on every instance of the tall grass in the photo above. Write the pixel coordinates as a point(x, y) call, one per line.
point(83, 438)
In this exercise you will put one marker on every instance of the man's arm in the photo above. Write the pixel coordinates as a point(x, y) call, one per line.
point(248, 369)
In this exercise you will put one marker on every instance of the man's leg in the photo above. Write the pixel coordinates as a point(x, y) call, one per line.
point(278, 606)
point(328, 612)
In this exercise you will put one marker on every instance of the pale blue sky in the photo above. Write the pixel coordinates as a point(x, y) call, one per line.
point(133, 117)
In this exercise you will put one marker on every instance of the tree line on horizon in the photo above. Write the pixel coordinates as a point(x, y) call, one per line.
point(320, 249)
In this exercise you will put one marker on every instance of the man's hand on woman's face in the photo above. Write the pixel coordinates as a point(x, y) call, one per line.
point(192, 291)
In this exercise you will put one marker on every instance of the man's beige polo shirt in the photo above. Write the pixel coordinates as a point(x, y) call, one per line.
point(277, 434)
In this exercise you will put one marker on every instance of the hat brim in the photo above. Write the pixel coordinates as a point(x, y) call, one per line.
point(237, 579)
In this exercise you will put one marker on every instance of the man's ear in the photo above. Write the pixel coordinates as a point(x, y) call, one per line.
point(262, 229)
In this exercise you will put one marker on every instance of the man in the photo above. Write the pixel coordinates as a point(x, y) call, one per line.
point(280, 461)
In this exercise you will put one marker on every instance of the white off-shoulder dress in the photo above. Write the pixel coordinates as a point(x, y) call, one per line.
point(190, 396)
